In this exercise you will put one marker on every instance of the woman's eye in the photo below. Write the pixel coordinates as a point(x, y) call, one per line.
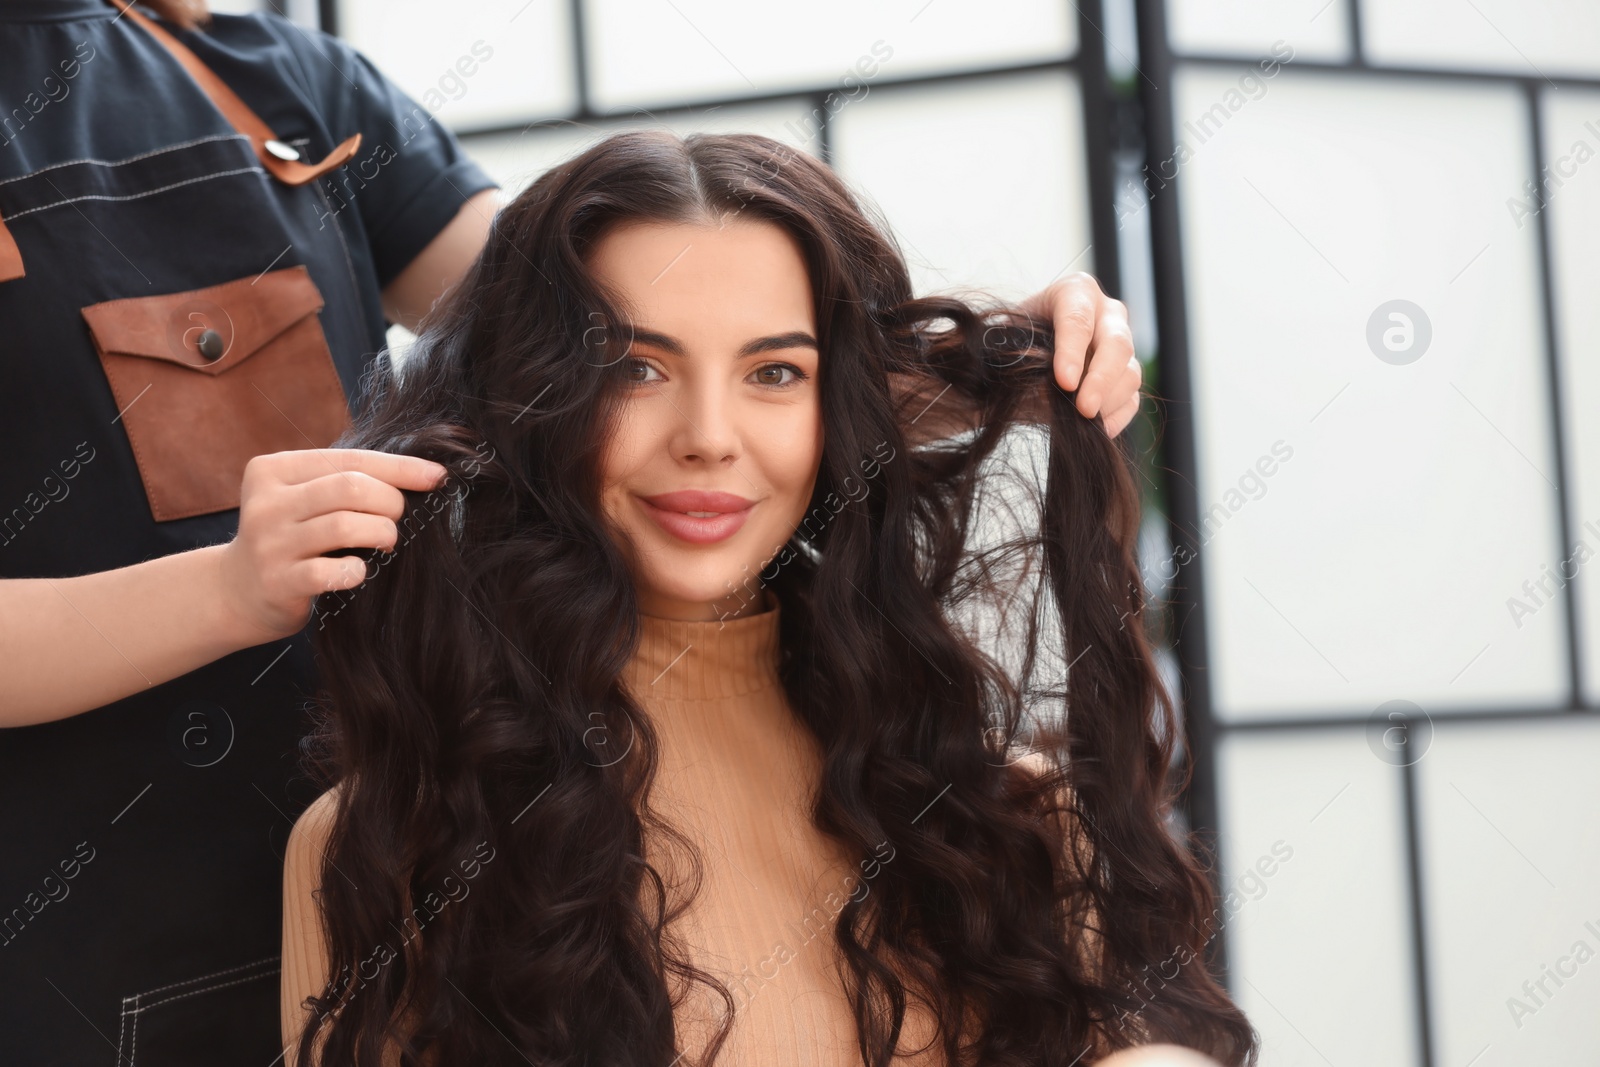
point(635, 366)
point(642, 372)
point(774, 375)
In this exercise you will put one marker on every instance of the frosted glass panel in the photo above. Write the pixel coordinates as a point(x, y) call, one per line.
point(480, 63)
point(1309, 29)
point(516, 159)
point(649, 54)
point(1511, 821)
point(1313, 867)
point(965, 213)
point(1013, 481)
point(1374, 489)
point(1571, 120)
point(1548, 38)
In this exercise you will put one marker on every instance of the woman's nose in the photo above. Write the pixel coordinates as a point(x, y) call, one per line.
point(709, 423)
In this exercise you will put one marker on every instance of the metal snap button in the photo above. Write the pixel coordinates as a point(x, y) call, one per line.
point(282, 151)
point(210, 345)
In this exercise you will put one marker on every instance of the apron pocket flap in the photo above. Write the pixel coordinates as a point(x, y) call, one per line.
point(266, 383)
point(209, 330)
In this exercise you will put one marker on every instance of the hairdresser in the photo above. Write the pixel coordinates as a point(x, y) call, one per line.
point(206, 225)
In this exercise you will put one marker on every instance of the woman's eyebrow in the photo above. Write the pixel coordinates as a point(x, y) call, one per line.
point(778, 342)
point(775, 343)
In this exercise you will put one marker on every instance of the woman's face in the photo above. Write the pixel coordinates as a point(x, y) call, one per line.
point(722, 414)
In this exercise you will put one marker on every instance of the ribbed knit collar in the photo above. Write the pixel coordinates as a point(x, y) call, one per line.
point(679, 660)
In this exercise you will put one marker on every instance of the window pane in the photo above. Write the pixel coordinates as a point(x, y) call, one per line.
point(479, 63)
point(984, 182)
point(1544, 39)
point(1311, 29)
point(1365, 518)
point(1314, 877)
point(650, 54)
point(1571, 119)
point(1511, 818)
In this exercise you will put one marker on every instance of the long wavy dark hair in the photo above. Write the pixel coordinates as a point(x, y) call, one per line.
point(466, 680)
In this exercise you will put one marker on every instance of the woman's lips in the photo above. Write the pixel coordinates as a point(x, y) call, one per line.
point(670, 511)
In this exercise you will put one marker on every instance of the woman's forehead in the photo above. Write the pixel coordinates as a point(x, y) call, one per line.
point(708, 284)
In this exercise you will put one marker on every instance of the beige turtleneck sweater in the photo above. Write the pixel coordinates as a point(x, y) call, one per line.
point(736, 772)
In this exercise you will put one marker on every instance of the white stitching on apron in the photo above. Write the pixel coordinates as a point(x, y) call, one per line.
point(201, 978)
point(136, 196)
point(130, 159)
point(202, 989)
point(138, 1009)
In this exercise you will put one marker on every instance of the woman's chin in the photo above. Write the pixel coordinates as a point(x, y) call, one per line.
point(717, 596)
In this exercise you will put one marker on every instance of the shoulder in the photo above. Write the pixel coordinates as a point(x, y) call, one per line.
point(304, 970)
point(302, 869)
point(309, 837)
point(279, 65)
point(316, 85)
point(264, 31)
point(261, 39)
point(302, 81)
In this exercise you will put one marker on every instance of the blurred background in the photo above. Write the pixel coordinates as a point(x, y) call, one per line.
point(1358, 239)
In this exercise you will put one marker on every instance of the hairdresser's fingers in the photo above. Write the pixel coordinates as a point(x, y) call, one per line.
point(1124, 398)
point(326, 574)
point(346, 491)
point(1073, 308)
point(1124, 415)
point(342, 529)
point(1114, 374)
point(304, 464)
point(263, 580)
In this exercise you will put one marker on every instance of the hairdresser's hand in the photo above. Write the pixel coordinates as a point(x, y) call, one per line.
point(296, 505)
point(1091, 328)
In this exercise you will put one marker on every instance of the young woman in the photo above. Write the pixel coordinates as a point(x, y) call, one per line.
point(652, 741)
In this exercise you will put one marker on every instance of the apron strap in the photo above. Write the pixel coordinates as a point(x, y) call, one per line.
point(280, 160)
point(10, 255)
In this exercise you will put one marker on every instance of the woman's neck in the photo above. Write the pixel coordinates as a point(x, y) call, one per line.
point(706, 659)
point(733, 606)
